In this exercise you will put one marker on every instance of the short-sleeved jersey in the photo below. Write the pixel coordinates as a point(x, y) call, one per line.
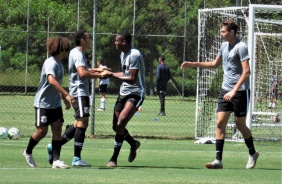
point(106, 80)
point(133, 60)
point(78, 86)
point(232, 58)
point(46, 96)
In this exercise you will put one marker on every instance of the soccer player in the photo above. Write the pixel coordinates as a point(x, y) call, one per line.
point(47, 103)
point(163, 76)
point(131, 96)
point(234, 93)
point(103, 84)
point(80, 73)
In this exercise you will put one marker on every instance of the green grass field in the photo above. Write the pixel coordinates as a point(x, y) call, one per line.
point(158, 161)
point(18, 111)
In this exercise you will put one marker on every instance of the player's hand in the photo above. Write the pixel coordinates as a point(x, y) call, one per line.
point(186, 64)
point(70, 100)
point(228, 96)
point(106, 74)
point(67, 104)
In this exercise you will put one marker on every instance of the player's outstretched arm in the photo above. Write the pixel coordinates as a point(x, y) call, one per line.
point(86, 74)
point(187, 64)
point(99, 69)
point(130, 78)
point(207, 64)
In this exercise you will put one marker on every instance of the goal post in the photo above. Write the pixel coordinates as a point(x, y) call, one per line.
point(260, 26)
point(253, 29)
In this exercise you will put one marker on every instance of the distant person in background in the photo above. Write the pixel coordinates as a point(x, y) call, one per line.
point(47, 103)
point(103, 84)
point(163, 76)
point(273, 89)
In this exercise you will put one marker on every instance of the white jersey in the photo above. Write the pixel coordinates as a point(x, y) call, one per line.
point(78, 86)
point(232, 58)
point(133, 60)
point(46, 96)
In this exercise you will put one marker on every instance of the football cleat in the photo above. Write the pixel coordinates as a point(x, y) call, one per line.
point(132, 154)
point(216, 164)
point(252, 160)
point(29, 159)
point(78, 162)
point(59, 164)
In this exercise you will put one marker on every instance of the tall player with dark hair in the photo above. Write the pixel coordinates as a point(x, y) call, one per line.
point(47, 103)
point(131, 96)
point(234, 93)
point(80, 73)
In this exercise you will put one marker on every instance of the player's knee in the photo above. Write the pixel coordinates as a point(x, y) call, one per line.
point(220, 126)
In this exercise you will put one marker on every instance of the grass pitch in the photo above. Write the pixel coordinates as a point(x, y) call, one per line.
point(158, 161)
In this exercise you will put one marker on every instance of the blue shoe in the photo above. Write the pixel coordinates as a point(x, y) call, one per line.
point(50, 153)
point(78, 162)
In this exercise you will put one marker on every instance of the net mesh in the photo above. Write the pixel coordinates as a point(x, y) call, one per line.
point(266, 73)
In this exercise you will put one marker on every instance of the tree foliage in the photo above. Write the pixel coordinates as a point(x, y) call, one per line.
point(159, 29)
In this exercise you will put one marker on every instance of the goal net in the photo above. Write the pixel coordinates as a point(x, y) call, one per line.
point(260, 26)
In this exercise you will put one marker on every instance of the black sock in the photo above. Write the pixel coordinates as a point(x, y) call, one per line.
point(117, 147)
point(56, 148)
point(250, 144)
point(128, 138)
point(79, 137)
point(219, 143)
point(68, 134)
point(31, 144)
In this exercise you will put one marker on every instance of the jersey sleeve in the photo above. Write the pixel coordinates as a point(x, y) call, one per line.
point(135, 60)
point(79, 60)
point(243, 53)
point(51, 68)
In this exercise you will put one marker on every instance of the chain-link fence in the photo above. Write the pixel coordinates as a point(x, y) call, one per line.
point(158, 27)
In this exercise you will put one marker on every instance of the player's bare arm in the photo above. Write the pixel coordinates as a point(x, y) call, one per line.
point(99, 69)
point(131, 78)
point(85, 74)
point(64, 94)
point(213, 64)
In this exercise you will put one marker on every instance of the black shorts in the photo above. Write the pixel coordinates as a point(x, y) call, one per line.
point(44, 117)
point(103, 88)
point(238, 105)
point(81, 109)
point(121, 101)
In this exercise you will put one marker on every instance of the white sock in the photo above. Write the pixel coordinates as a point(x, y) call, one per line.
point(273, 105)
point(103, 103)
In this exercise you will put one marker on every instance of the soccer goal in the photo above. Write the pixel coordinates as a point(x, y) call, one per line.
point(260, 26)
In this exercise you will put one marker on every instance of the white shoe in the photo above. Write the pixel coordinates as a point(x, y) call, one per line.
point(252, 160)
point(216, 164)
point(29, 159)
point(59, 164)
point(101, 109)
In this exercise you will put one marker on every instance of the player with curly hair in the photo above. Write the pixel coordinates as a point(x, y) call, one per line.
point(47, 103)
